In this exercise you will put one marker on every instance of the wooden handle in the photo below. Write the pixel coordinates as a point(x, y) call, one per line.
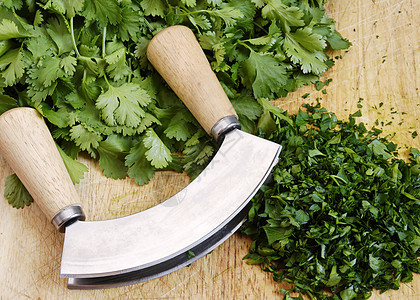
point(29, 149)
point(177, 56)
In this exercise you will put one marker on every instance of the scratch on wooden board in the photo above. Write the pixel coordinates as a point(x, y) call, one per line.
point(372, 17)
point(178, 285)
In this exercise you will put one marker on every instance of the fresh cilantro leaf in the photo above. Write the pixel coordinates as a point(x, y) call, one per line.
point(190, 3)
point(258, 3)
point(153, 7)
point(16, 4)
point(179, 128)
point(215, 2)
point(60, 34)
point(41, 45)
point(246, 106)
point(122, 105)
point(67, 7)
point(117, 64)
point(131, 22)
point(139, 167)
point(337, 42)
point(85, 139)
point(75, 169)
point(311, 59)
point(112, 152)
point(60, 117)
point(16, 193)
point(265, 73)
point(7, 103)
point(229, 14)
point(277, 10)
point(9, 30)
point(48, 71)
point(200, 21)
point(140, 51)
point(158, 154)
point(196, 157)
point(104, 11)
point(68, 64)
point(11, 66)
point(38, 19)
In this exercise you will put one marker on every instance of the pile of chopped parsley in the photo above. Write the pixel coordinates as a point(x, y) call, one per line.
point(342, 214)
point(82, 64)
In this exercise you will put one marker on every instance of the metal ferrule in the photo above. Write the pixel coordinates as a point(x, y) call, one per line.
point(67, 216)
point(223, 126)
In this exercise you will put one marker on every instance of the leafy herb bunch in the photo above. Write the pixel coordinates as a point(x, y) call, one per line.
point(82, 64)
point(342, 213)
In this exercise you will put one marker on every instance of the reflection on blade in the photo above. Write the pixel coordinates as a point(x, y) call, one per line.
point(157, 241)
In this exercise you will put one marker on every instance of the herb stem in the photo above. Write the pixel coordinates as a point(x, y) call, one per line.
point(243, 43)
point(73, 38)
point(104, 43)
point(151, 28)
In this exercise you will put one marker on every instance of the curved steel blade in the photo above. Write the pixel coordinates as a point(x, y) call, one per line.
point(157, 241)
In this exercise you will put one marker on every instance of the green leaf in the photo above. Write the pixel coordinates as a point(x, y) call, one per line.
point(229, 14)
point(9, 30)
point(60, 117)
point(16, 193)
point(140, 51)
point(348, 294)
point(47, 72)
point(75, 169)
point(246, 106)
point(103, 11)
point(139, 167)
point(158, 154)
point(7, 103)
point(315, 152)
point(179, 128)
point(112, 152)
point(41, 45)
point(16, 4)
point(303, 48)
point(118, 67)
point(154, 8)
point(60, 34)
point(12, 66)
point(67, 7)
point(265, 74)
point(84, 138)
point(190, 3)
point(130, 24)
point(123, 105)
point(335, 278)
point(277, 10)
point(68, 64)
point(337, 42)
point(379, 149)
point(258, 3)
point(275, 234)
point(200, 21)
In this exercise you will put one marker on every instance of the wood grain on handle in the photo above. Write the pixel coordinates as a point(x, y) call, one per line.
point(29, 149)
point(177, 56)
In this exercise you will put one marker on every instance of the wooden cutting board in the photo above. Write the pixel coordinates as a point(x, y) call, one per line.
point(382, 66)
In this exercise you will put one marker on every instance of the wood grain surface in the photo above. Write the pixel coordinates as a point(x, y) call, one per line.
point(382, 66)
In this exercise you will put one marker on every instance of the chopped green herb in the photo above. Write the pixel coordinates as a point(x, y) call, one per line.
point(342, 212)
point(190, 254)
